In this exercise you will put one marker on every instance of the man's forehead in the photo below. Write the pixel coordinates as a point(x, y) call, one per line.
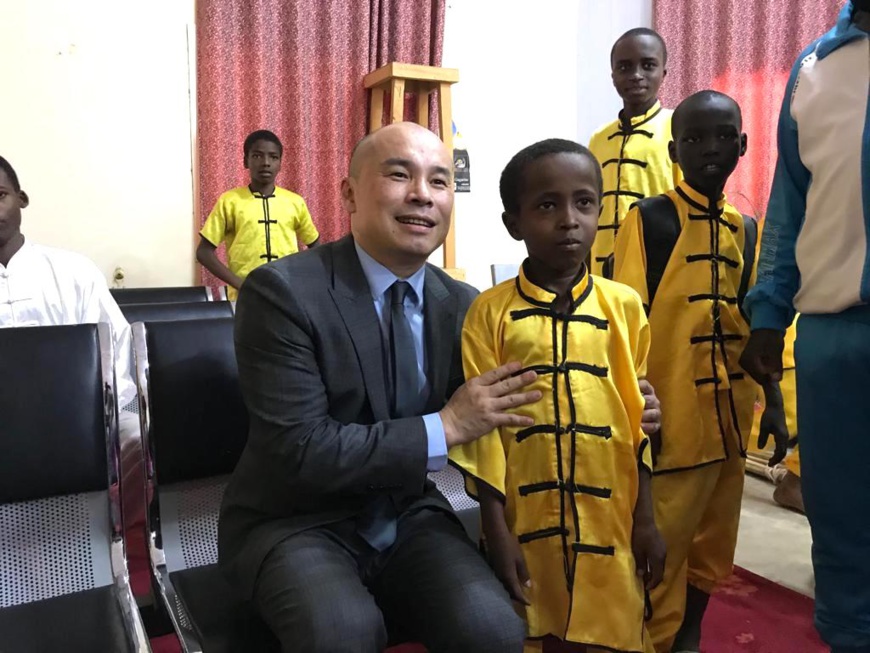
point(398, 147)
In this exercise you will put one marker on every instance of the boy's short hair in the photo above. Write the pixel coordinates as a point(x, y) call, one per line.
point(511, 183)
point(6, 167)
point(262, 135)
point(641, 31)
point(698, 98)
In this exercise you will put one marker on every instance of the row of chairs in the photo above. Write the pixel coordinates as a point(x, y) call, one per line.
point(194, 426)
point(64, 583)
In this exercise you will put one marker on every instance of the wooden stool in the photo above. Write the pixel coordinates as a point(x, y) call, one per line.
point(402, 78)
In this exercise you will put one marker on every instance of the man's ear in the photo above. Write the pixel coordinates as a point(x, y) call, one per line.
point(23, 198)
point(348, 195)
point(510, 223)
point(744, 142)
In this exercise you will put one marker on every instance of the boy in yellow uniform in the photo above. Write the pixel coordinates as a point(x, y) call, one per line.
point(633, 149)
point(698, 334)
point(566, 505)
point(260, 222)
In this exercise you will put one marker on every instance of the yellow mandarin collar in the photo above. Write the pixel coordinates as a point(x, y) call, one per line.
point(536, 294)
point(699, 198)
point(637, 120)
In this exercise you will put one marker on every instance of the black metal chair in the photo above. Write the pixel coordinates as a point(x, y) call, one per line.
point(174, 311)
point(503, 271)
point(64, 584)
point(177, 294)
point(194, 425)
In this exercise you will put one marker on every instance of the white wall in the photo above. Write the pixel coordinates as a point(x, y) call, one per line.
point(528, 70)
point(96, 120)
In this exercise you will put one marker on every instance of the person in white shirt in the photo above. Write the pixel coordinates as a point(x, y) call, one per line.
point(44, 286)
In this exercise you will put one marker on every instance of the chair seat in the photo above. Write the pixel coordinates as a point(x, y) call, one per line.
point(80, 622)
point(223, 623)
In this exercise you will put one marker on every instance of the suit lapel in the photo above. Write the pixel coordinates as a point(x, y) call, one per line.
point(353, 298)
point(439, 317)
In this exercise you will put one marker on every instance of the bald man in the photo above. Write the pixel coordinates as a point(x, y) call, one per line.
point(350, 366)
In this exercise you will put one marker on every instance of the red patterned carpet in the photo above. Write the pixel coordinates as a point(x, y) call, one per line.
point(750, 614)
point(747, 615)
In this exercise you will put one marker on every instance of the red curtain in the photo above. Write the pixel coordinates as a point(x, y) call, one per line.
point(744, 48)
point(296, 68)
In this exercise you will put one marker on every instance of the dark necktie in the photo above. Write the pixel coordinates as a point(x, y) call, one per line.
point(377, 524)
point(403, 354)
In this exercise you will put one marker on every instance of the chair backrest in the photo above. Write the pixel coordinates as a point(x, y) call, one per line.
point(177, 294)
point(52, 423)
point(195, 425)
point(503, 271)
point(174, 311)
point(56, 520)
point(196, 422)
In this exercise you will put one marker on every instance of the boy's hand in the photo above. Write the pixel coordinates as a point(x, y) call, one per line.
point(649, 552)
point(651, 421)
point(509, 564)
point(762, 356)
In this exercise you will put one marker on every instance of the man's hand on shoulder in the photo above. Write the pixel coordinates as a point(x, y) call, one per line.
point(482, 404)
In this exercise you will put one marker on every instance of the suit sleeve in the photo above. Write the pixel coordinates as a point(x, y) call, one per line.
point(630, 257)
point(770, 302)
point(484, 459)
point(288, 404)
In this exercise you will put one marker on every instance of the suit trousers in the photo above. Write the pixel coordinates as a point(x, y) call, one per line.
point(326, 589)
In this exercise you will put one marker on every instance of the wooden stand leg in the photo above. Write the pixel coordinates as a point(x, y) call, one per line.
point(376, 112)
point(397, 100)
point(423, 108)
point(446, 118)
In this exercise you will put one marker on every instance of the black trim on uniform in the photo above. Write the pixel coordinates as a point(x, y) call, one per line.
point(622, 193)
point(715, 338)
point(695, 258)
point(555, 531)
point(674, 470)
point(547, 486)
point(634, 162)
point(706, 210)
point(551, 429)
point(598, 323)
point(577, 547)
point(721, 220)
point(736, 376)
point(267, 222)
point(594, 370)
point(714, 297)
point(639, 132)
